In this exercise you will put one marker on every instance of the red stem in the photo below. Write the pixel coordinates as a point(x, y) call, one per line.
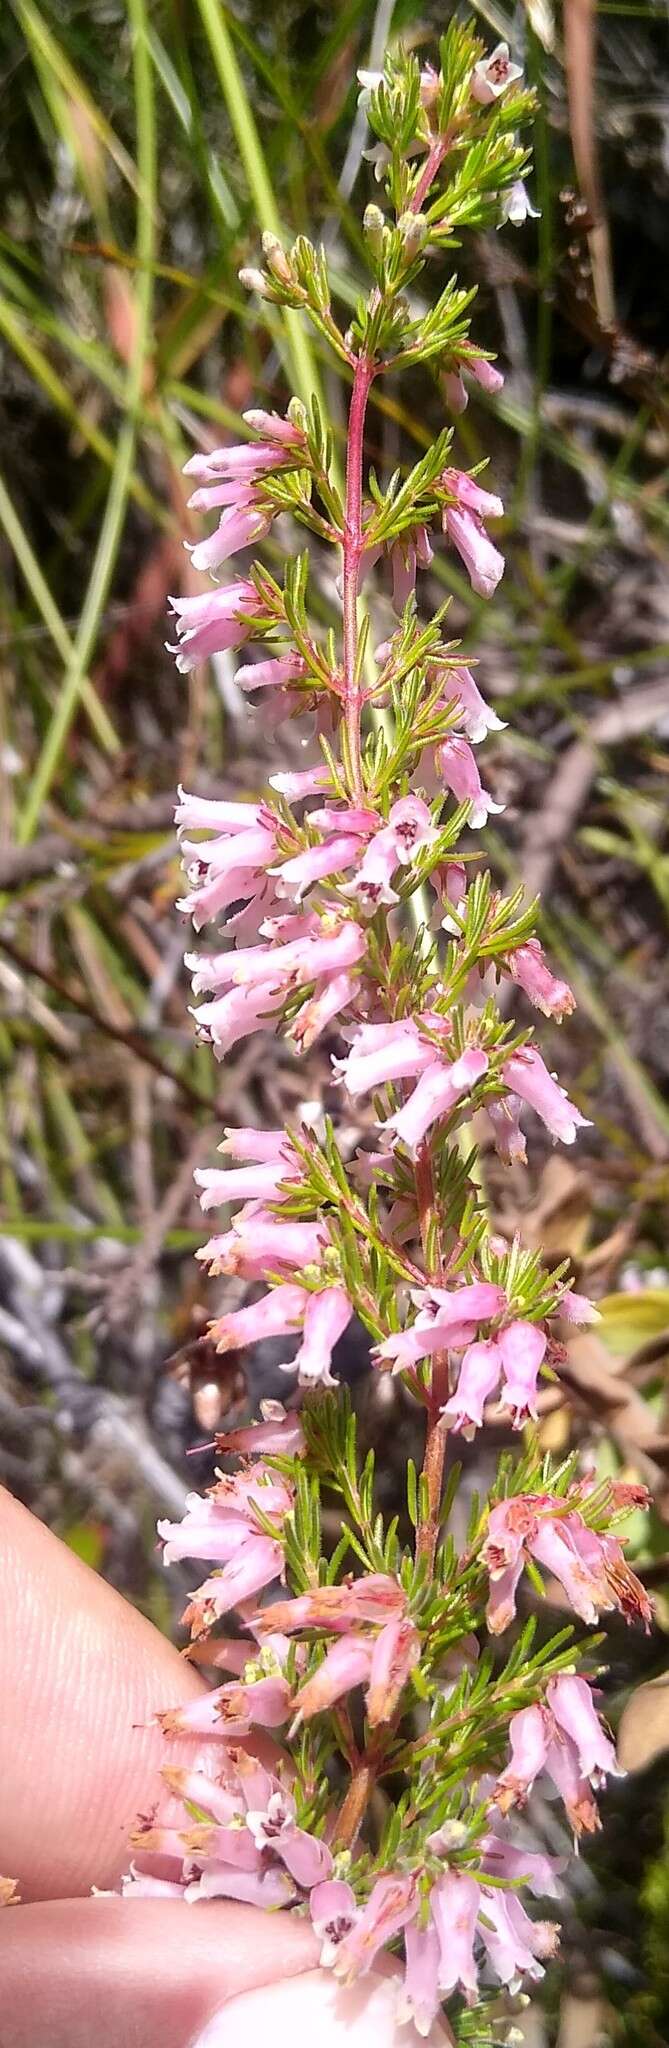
point(432, 164)
point(353, 542)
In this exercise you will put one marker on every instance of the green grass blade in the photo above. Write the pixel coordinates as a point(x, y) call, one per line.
point(39, 590)
point(112, 524)
point(215, 25)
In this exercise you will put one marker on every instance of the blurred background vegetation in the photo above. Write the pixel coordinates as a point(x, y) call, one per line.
point(146, 142)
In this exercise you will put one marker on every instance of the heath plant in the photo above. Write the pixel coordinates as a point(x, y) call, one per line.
point(405, 1735)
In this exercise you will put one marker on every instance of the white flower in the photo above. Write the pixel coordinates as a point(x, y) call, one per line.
point(493, 75)
point(517, 206)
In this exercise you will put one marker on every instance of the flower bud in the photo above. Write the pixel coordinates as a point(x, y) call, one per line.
point(254, 281)
point(413, 230)
point(374, 227)
point(297, 414)
point(276, 258)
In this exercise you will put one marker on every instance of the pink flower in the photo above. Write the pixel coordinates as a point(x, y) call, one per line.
point(264, 1888)
point(255, 1563)
point(232, 1709)
point(509, 1140)
point(244, 523)
point(215, 814)
point(458, 768)
point(420, 1996)
point(223, 1021)
point(216, 1525)
point(571, 1704)
point(374, 1598)
point(274, 1827)
point(257, 1182)
point(316, 864)
point(442, 1323)
point(565, 1739)
point(528, 1077)
point(383, 1052)
point(250, 1143)
point(273, 427)
point(395, 1654)
point(334, 1915)
point(304, 960)
point(210, 623)
point(230, 867)
point(438, 1092)
point(577, 1308)
point(590, 1567)
point(326, 1316)
point(248, 461)
point(464, 522)
point(493, 75)
point(477, 716)
point(529, 967)
point(502, 1858)
point(529, 1742)
point(333, 819)
point(470, 365)
point(274, 1315)
point(392, 1904)
point(294, 784)
point(408, 831)
point(346, 1664)
point(454, 1904)
point(273, 674)
point(451, 882)
point(522, 1346)
point(478, 1378)
point(280, 1434)
point(513, 1941)
point(410, 551)
point(328, 1000)
point(259, 1243)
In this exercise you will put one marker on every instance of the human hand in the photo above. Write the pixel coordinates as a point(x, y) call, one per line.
point(83, 1677)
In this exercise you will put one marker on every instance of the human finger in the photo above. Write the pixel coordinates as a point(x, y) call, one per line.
point(83, 1677)
point(121, 1972)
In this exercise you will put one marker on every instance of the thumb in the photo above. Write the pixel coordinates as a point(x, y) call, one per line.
point(169, 1975)
point(314, 2007)
point(116, 1971)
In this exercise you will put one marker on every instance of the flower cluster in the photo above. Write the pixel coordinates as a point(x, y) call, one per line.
point(363, 1661)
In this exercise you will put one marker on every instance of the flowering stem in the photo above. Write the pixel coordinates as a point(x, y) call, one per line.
point(352, 548)
point(432, 165)
point(427, 1534)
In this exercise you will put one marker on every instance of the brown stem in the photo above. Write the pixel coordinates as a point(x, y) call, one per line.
point(427, 1535)
point(350, 1819)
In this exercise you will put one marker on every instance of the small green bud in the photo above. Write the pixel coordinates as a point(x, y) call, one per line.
point(297, 414)
point(374, 227)
point(413, 230)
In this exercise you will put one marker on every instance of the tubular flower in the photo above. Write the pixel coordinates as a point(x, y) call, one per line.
point(565, 1739)
point(590, 1567)
point(465, 512)
point(212, 622)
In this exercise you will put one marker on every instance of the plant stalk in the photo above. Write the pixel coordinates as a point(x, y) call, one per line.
point(352, 550)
